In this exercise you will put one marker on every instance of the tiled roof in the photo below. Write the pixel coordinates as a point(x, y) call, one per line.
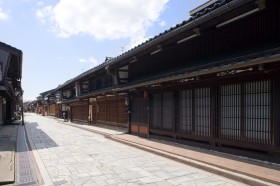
point(192, 21)
point(9, 46)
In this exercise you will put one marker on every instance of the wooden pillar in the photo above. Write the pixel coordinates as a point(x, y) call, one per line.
point(213, 114)
point(176, 113)
point(117, 110)
point(276, 115)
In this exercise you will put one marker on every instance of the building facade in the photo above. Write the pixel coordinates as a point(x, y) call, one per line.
point(10, 83)
point(212, 79)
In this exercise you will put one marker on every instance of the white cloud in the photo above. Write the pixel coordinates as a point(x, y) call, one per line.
point(40, 3)
point(137, 40)
point(106, 19)
point(43, 14)
point(162, 23)
point(3, 15)
point(91, 60)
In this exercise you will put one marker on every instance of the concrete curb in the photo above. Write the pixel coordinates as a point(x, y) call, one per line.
point(209, 168)
point(246, 179)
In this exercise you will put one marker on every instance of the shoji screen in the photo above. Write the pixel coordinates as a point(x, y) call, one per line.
point(230, 111)
point(185, 103)
point(258, 111)
point(202, 111)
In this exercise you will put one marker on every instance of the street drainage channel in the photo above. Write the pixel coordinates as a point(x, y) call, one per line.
point(25, 168)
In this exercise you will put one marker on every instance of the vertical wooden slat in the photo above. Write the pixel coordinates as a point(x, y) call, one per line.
point(275, 122)
point(213, 112)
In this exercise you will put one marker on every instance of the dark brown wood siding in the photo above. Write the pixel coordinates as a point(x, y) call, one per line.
point(80, 112)
point(139, 116)
point(112, 110)
point(236, 113)
point(53, 109)
point(252, 33)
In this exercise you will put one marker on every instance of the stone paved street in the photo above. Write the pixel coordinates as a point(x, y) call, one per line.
point(71, 156)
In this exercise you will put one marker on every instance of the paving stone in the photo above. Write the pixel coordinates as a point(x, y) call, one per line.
point(80, 157)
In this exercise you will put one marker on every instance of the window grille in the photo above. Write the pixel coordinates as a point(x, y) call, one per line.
point(167, 110)
point(258, 111)
point(156, 110)
point(139, 112)
point(202, 111)
point(111, 109)
point(230, 111)
point(135, 110)
point(185, 111)
point(143, 112)
point(122, 113)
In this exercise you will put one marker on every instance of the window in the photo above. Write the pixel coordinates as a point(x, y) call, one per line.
point(257, 111)
point(254, 101)
point(230, 111)
point(157, 110)
point(167, 110)
point(185, 107)
point(163, 110)
point(202, 111)
point(194, 117)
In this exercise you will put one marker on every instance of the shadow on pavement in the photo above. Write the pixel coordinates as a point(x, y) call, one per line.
point(39, 138)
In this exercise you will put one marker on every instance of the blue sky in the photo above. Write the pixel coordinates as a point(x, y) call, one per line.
point(60, 39)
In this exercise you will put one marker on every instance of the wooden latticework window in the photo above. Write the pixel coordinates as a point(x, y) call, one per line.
point(139, 112)
point(245, 113)
point(80, 112)
point(101, 109)
point(230, 111)
point(185, 107)
point(156, 111)
point(202, 111)
point(122, 113)
point(111, 109)
point(53, 109)
point(163, 110)
point(258, 111)
point(167, 110)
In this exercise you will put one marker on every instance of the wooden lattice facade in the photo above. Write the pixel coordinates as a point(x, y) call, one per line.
point(212, 79)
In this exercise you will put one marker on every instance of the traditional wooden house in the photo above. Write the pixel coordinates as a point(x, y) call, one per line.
point(91, 98)
point(10, 82)
point(53, 99)
point(212, 79)
point(43, 103)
